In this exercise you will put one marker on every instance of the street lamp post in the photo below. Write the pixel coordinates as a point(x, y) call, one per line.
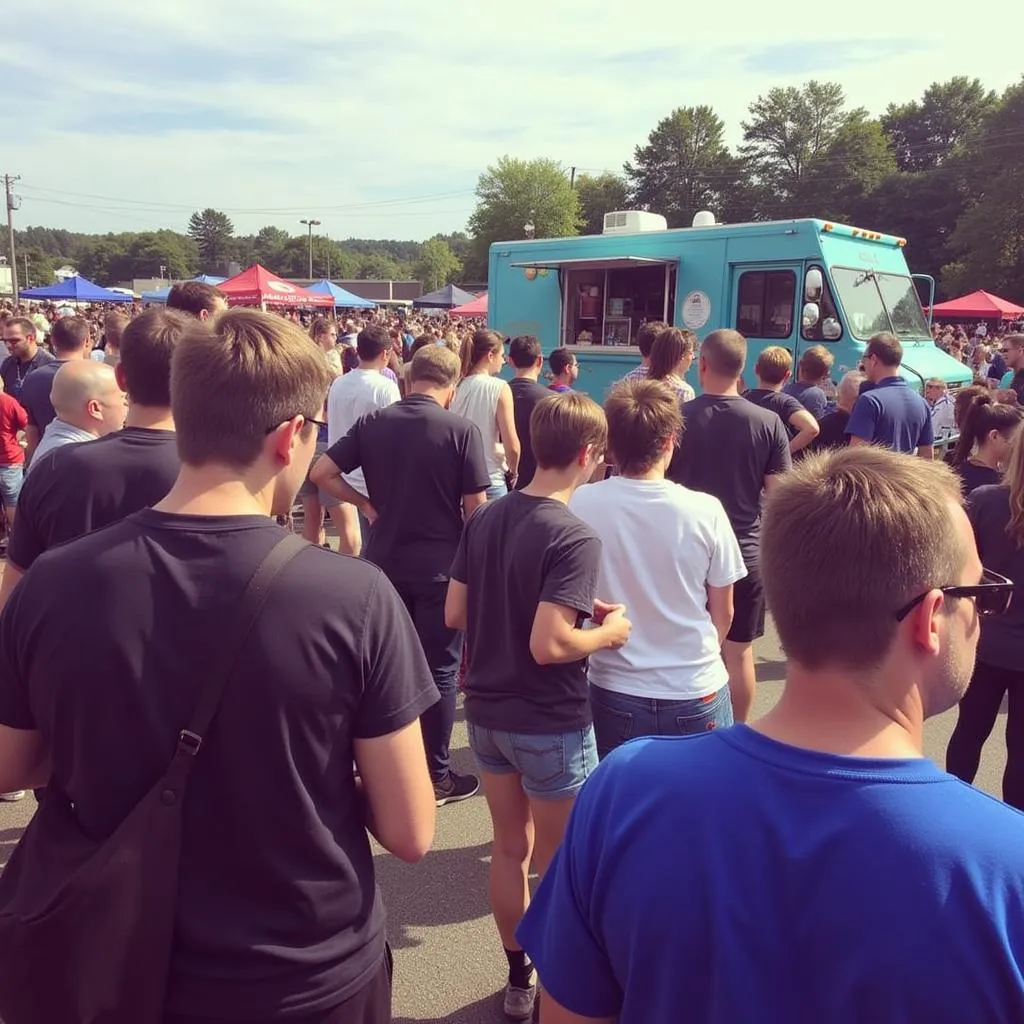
point(312, 224)
point(163, 271)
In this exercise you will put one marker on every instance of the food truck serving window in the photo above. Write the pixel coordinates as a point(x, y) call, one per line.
point(604, 302)
point(764, 306)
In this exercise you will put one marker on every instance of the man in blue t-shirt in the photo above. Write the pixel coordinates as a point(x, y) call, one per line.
point(890, 413)
point(1012, 351)
point(814, 866)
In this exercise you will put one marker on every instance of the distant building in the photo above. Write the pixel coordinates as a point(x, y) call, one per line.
point(65, 273)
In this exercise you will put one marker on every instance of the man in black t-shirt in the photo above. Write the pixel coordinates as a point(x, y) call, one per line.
point(833, 425)
point(523, 582)
point(22, 341)
point(733, 449)
point(773, 369)
point(425, 471)
point(525, 355)
point(80, 488)
point(277, 916)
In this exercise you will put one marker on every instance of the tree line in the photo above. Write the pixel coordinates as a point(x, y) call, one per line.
point(210, 244)
point(945, 171)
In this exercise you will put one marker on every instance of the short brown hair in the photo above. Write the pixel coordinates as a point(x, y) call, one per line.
point(435, 364)
point(562, 425)
point(194, 297)
point(147, 345)
point(816, 363)
point(643, 416)
point(833, 527)
point(114, 324)
point(69, 334)
point(886, 348)
point(28, 328)
point(648, 334)
point(669, 349)
point(234, 381)
point(725, 353)
point(773, 364)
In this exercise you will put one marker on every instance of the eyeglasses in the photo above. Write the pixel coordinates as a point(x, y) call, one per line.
point(308, 419)
point(991, 596)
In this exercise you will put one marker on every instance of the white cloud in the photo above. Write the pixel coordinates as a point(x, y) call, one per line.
point(276, 111)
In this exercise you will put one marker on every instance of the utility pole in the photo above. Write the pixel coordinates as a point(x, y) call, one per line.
point(13, 202)
point(27, 282)
point(572, 177)
point(312, 224)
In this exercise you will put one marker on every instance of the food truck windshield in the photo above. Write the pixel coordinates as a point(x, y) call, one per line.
point(876, 302)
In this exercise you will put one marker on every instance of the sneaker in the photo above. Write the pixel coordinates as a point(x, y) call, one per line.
point(455, 788)
point(519, 1002)
point(13, 797)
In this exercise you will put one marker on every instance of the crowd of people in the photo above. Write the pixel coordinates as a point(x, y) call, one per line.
point(593, 578)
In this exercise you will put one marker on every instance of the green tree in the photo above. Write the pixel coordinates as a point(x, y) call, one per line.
point(926, 134)
point(599, 195)
point(837, 183)
point(212, 231)
point(268, 245)
point(378, 267)
point(685, 167)
point(437, 265)
point(513, 193)
point(788, 132)
point(989, 236)
point(40, 267)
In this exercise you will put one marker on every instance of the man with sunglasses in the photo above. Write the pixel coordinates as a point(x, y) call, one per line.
point(1012, 351)
point(835, 873)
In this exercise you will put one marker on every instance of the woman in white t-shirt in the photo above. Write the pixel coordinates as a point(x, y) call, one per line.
point(486, 399)
point(670, 556)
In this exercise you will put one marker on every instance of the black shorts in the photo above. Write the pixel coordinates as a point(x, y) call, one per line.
point(748, 606)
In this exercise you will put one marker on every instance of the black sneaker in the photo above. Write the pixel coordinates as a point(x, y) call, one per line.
point(455, 788)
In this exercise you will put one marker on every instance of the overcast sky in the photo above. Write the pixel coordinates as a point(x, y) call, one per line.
point(377, 118)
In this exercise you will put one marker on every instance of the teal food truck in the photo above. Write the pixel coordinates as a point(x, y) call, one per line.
point(793, 283)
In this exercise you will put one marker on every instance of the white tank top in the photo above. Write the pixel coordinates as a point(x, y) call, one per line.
point(477, 399)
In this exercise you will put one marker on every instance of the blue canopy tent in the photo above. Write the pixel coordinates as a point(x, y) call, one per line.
point(75, 289)
point(444, 298)
point(342, 299)
point(161, 294)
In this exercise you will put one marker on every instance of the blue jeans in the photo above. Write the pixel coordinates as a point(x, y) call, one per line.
point(553, 766)
point(443, 649)
point(498, 487)
point(619, 717)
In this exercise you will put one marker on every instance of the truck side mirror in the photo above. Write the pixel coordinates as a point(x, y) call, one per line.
point(831, 329)
point(811, 315)
point(813, 285)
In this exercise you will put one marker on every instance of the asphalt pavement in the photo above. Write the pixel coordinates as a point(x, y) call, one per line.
point(449, 966)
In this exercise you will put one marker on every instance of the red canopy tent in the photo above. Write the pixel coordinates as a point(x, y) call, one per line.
point(979, 305)
point(257, 286)
point(478, 307)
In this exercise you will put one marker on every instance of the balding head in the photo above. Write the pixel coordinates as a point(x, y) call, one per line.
point(85, 394)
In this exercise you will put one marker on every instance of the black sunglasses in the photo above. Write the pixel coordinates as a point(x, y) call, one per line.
point(308, 419)
point(991, 596)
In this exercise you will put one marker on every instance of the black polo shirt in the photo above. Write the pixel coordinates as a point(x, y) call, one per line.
point(78, 488)
point(14, 372)
point(277, 915)
point(526, 394)
point(418, 461)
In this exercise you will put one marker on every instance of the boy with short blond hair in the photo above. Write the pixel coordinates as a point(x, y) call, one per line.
point(773, 368)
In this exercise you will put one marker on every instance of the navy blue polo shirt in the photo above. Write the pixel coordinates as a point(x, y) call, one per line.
point(892, 415)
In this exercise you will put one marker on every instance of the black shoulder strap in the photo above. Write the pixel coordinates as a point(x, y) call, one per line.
point(256, 593)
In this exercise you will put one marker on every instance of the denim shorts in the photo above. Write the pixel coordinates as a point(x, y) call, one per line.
point(554, 766)
point(621, 716)
point(10, 484)
point(310, 490)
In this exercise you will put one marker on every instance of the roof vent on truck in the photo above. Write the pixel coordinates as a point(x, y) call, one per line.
point(633, 222)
